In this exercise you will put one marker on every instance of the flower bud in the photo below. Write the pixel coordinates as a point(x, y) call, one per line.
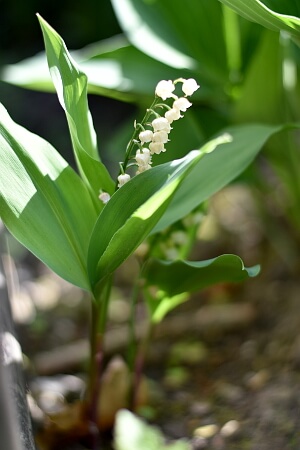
point(104, 197)
point(182, 104)
point(160, 136)
point(145, 136)
point(123, 178)
point(161, 124)
point(164, 89)
point(143, 158)
point(157, 148)
point(190, 86)
point(172, 114)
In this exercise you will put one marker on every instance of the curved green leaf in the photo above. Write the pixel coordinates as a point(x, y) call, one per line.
point(113, 69)
point(257, 11)
point(190, 276)
point(132, 433)
point(71, 86)
point(217, 169)
point(177, 33)
point(134, 209)
point(43, 202)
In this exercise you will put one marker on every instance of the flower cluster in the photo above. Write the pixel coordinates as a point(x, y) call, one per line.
point(158, 135)
point(152, 134)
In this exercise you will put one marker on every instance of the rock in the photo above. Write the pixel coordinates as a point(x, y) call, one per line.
point(258, 380)
point(206, 431)
point(230, 429)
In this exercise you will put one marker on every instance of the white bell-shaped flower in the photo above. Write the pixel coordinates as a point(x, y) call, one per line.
point(104, 197)
point(164, 89)
point(161, 124)
point(145, 136)
point(143, 158)
point(142, 169)
point(160, 136)
point(190, 86)
point(182, 104)
point(123, 179)
point(172, 114)
point(156, 147)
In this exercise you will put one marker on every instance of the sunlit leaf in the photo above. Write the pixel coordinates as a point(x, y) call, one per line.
point(263, 13)
point(134, 210)
point(132, 433)
point(178, 34)
point(113, 68)
point(71, 86)
point(217, 169)
point(43, 202)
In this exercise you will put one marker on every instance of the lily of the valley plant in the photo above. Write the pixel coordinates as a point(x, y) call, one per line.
point(85, 225)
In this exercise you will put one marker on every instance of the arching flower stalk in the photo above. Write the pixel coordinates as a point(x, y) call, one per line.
point(152, 134)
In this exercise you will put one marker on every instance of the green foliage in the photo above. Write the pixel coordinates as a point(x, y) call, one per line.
point(163, 294)
point(217, 169)
point(132, 433)
point(71, 87)
point(43, 202)
point(57, 214)
point(123, 229)
point(265, 14)
point(80, 247)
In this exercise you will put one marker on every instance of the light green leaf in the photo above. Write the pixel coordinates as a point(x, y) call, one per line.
point(132, 433)
point(43, 202)
point(257, 11)
point(262, 93)
point(113, 68)
point(71, 86)
point(178, 34)
point(134, 210)
point(217, 169)
point(190, 276)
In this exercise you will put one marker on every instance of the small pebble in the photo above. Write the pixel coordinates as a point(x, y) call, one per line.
point(199, 443)
point(229, 392)
point(200, 409)
point(230, 429)
point(258, 380)
point(206, 431)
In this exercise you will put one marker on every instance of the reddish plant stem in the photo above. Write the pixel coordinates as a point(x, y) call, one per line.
point(96, 368)
point(139, 368)
point(99, 315)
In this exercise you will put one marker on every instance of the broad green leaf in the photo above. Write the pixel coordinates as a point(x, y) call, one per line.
point(132, 433)
point(43, 202)
point(259, 12)
point(190, 276)
point(217, 169)
point(262, 94)
point(71, 86)
point(177, 33)
point(134, 210)
point(113, 69)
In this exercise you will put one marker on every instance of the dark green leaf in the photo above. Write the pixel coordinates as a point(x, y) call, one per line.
point(190, 276)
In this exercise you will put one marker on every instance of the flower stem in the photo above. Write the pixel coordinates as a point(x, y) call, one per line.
point(98, 324)
point(134, 136)
point(139, 366)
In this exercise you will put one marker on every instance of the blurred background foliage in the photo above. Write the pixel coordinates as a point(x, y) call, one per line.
point(247, 74)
